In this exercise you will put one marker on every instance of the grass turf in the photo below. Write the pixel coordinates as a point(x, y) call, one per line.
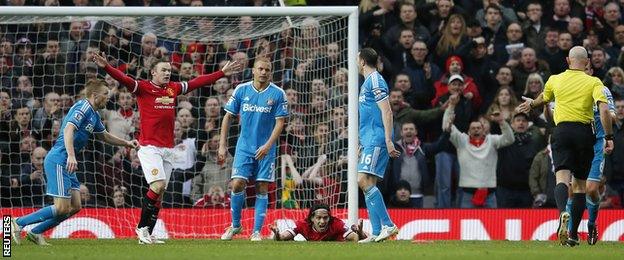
point(117, 249)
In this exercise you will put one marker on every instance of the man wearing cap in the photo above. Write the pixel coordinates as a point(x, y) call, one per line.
point(446, 160)
point(477, 156)
point(514, 164)
point(402, 196)
point(575, 93)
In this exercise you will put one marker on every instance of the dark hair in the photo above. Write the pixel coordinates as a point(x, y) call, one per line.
point(316, 207)
point(495, 7)
point(158, 61)
point(369, 56)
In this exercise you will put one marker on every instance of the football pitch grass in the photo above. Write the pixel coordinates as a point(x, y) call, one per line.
point(116, 249)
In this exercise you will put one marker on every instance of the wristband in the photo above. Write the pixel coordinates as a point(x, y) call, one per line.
point(609, 137)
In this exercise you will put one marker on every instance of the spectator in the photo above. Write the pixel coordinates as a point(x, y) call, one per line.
point(504, 79)
point(561, 15)
point(533, 27)
point(375, 22)
point(508, 50)
point(50, 111)
point(411, 166)
point(214, 198)
point(534, 86)
point(16, 133)
point(482, 67)
point(614, 170)
point(409, 20)
point(326, 188)
point(446, 160)
point(504, 104)
point(494, 27)
point(422, 74)
point(615, 81)
point(612, 17)
point(6, 73)
point(575, 28)
point(49, 70)
point(403, 113)
point(542, 179)
point(119, 122)
point(86, 200)
point(184, 159)
point(291, 183)
point(213, 173)
point(549, 45)
point(438, 15)
point(23, 93)
point(616, 48)
point(452, 41)
point(119, 197)
point(32, 179)
point(402, 197)
point(514, 164)
point(187, 122)
point(599, 62)
point(74, 46)
point(399, 54)
point(402, 83)
point(564, 43)
point(24, 58)
point(477, 156)
point(455, 66)
point(5, 110)
point(529, 63)
point(508, 14)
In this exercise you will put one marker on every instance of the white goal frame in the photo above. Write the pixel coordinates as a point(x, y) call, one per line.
point(352, 51)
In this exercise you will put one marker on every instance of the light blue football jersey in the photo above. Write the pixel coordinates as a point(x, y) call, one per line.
point(600, 133)
point(373, 90)
point(86, 120)
point(257, 111)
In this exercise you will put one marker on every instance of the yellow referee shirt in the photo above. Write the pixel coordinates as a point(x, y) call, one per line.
point(575, 94)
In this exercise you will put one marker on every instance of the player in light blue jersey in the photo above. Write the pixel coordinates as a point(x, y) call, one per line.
point(262, 109)
point(60, 164)
point(594, 179)
point(376, 144)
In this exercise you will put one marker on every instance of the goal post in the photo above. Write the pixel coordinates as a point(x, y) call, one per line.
point(267, 22)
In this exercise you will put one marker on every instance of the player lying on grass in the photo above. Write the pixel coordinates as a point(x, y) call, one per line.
point(60, 164)
point(320, 225)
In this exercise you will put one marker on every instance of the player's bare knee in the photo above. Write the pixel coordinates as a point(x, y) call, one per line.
point(262, 188)
point(592, 187)
point(62, 208)
point(238, 185)
point(365, 181)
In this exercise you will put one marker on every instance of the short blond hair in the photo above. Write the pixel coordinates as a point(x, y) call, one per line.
point(95, 86)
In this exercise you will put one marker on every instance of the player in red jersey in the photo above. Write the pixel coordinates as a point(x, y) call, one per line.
point(320, 225)
point(157, 100)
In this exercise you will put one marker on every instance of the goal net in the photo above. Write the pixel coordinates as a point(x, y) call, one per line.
point(45, 61)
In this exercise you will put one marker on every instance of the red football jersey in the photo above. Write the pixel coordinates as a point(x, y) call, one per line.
point(158, 104)
point(337, 231)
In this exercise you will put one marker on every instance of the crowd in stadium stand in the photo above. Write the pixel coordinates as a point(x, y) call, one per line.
point(501, 50)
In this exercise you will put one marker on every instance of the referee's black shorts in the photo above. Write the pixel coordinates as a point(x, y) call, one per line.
point(573, 148)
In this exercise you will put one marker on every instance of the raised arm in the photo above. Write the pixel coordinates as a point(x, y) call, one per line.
point(287, 161)
point(205, 80)
point(118, 75)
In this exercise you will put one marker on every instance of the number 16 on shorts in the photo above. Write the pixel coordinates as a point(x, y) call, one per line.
point(373, 160)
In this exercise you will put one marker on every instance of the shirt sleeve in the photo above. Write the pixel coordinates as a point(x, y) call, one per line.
point(233, 104)
point(599, 93)
point(77, 116)
point(380, 90)
point(548, 91)
point(281, 106)
point(99, 126)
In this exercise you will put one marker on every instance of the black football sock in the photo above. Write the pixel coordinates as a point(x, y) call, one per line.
point(578, 206)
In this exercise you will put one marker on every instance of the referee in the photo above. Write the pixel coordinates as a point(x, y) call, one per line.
point(573, 137)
